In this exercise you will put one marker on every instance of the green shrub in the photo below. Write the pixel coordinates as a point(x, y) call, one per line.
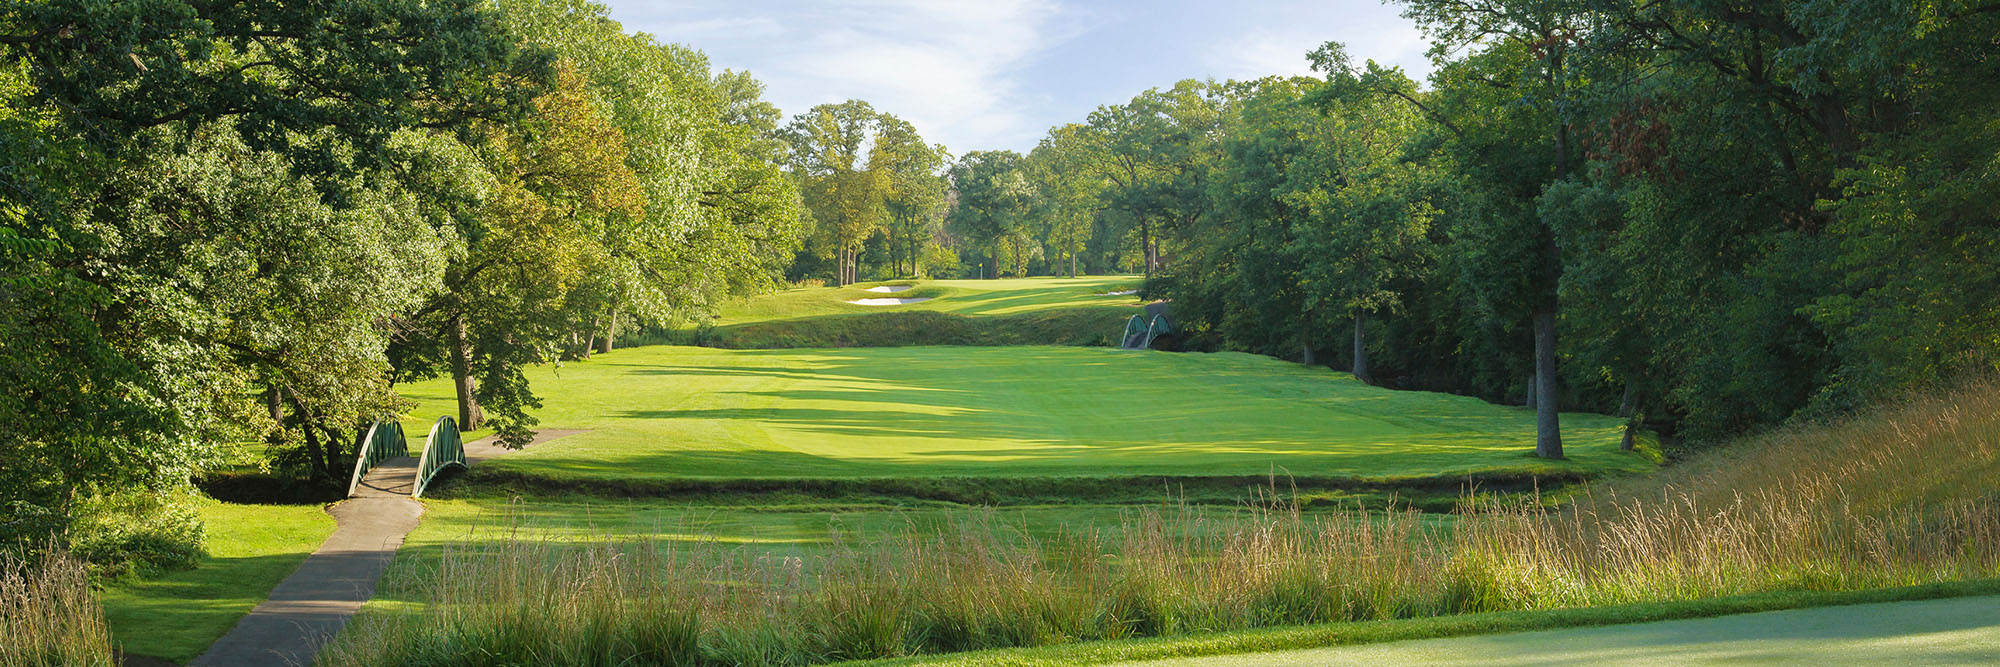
point(138, 535)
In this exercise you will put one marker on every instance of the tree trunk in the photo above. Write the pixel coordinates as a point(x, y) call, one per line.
point(314, 452)
point(1360, 349)
point(470, 417)
point(610, 329)
point(276, 397)
point(1146, 245)
point(1628, 407)
point(1548, 426)
point(333, 452)
point(1534, 381)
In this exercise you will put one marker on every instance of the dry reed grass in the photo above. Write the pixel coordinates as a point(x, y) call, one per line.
point(1904, 495)
point(48, 616)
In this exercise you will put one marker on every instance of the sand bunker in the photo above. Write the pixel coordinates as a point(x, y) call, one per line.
point(888, 302)
point(889, 289)
point(1123, 293)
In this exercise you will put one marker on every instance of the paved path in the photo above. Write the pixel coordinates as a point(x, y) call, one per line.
point(1958, 631)
point(316, 601)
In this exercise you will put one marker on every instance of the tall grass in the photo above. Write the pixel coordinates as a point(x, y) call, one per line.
point(48, 616)
point(1902, 496)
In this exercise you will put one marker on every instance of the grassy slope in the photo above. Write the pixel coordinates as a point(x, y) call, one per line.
point(250, 549)
point(1020, 311)
point(676, 413)
point(1010, 296)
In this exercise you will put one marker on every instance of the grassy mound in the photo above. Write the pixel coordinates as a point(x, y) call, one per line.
point(671, 417)
point(1087, 325)
point(1018, 311)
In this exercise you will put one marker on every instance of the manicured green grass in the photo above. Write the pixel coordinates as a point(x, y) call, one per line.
point(1018, 311)
point(1371, 632)
point(679, 413)
point(1010, 296)
point(250, 549)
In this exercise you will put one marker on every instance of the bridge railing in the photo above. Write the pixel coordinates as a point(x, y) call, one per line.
point(1139, 333)
point(1135, 330)
point(381, 440)
point(1159, 326)
point(442, 449)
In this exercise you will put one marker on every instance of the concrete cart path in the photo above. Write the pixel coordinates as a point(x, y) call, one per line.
point(311, 606)
point(1958, 631)
point(315, 602)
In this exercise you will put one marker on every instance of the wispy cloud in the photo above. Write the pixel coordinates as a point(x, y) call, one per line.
point(983, 74)
point(947, 67)
point(1281, 34)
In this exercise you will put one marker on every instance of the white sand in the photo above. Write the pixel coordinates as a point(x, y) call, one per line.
point(888, 302)
point(1124, 293)
point(889, 289)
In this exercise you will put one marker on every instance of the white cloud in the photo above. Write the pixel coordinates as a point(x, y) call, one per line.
point(1278, 46)
point(984, 74)
point(947, 67)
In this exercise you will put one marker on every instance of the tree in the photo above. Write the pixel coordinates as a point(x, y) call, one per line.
point(846, 200)
point(1063, 170)
point(994, 199)
point(1156, 149)
point(559, 181)
point(205, 214)
point(1523, 48)
point(915, 193)
point(1369, 215)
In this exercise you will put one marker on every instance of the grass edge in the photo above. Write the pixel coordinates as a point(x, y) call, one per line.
point(1264, 640)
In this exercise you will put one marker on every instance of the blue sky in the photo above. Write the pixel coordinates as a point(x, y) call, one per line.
point(987, 74)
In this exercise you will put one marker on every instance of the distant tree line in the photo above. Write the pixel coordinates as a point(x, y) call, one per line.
point(1706, 216)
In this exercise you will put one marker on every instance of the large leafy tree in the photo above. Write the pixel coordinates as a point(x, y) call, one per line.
point(915, 191)
point(1063, 168)
point(206, 219)
point(994, 203)
point(845, 198)
point(1367, 204)
point(560, 182)
point(1511, 104)
point(1157, 150)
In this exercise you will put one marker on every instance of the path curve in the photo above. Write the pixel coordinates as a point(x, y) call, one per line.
point(312, 605)
point(1961, 631)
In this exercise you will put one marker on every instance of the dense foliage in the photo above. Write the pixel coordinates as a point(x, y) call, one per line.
point(1706, 216)
point(237, 224)
point(229, 224)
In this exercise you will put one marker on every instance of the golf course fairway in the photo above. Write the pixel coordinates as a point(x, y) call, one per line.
point(690, 413)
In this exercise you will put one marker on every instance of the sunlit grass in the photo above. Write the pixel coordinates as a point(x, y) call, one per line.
point(682, 413)
point(1902, 497)
point(1008, 296)
point(250, 549)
